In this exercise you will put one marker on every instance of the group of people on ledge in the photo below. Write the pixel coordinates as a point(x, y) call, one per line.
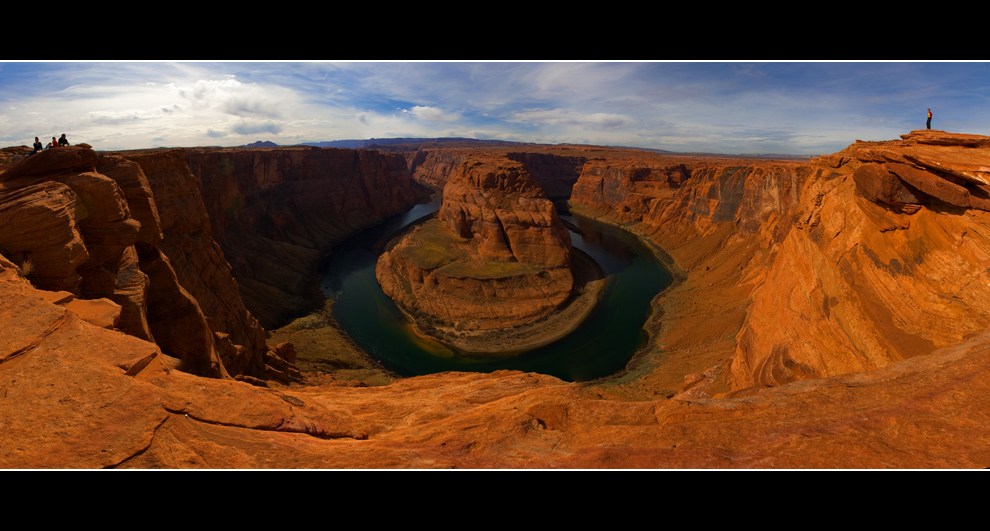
point(54, 143)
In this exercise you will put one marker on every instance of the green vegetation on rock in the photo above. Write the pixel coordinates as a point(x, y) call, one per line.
point(489, 269)
point(434, 246)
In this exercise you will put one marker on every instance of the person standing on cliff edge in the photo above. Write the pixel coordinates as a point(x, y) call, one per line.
point(929, 118)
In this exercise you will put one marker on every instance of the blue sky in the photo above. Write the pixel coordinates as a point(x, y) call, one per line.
point(804, 108)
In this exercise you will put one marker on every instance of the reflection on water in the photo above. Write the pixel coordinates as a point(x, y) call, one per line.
point(602, 345)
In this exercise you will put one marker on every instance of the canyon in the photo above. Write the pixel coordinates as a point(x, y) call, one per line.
point(829, 313)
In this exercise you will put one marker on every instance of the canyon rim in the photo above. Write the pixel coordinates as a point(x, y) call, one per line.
point(828, 313)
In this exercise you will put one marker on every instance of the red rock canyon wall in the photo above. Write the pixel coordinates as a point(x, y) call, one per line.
point(791, 276)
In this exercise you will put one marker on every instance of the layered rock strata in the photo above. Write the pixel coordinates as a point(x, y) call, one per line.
point(497, 257)
point(266, 218)
point(434, 167)
point(168, 203)
point(850, 262)
point(554, 173)
point(887, 261)
point(277, 213)
point(70, 229)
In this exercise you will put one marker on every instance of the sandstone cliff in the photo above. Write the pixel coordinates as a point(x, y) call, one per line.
point(434, 167)
point(716, 222)
point(70, 229)
point(888, 260)
point(796, 271)
point(167, 202)
point(276, 214)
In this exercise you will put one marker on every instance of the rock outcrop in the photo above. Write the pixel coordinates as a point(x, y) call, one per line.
point(848, 263)
point(502, 206)
point(73, 225)
point(496, 257)
point(887, 261)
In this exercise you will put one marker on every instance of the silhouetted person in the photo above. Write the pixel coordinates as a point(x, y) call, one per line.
point(62, 141)
point(929, 118)
point(37, 146)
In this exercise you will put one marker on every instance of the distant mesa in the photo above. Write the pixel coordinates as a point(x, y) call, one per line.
point(407, 142)
point(261, 144)
point(401, 144)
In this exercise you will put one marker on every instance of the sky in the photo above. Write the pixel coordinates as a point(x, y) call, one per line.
point(798, 108)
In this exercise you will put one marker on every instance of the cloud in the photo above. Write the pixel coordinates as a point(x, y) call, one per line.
point(232, 97)
point(569, 118)
point(253, 128)
point(118, 117)
point(206, 92)
point(243, 106)
point(433, 114)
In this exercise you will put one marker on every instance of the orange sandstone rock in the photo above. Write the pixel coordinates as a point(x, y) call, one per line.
point(867, 285)
point(798, 276)
point(497, 258)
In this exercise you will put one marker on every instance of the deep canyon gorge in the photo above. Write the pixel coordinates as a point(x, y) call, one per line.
point(158, 307)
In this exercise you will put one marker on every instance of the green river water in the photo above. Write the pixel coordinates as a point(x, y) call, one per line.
point(601, 346)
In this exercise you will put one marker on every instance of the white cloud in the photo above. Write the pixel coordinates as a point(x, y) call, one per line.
point(253, 127)
point(433, 114)
point(569, 118)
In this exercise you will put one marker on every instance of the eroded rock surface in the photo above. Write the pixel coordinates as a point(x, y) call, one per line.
point(70, 229)
point(885, 265)
point(848, 263)
point(496, 257)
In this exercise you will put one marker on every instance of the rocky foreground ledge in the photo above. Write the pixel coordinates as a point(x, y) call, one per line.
point(792, 274)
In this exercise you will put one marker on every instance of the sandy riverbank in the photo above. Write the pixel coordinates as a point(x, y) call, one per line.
point(589, 280)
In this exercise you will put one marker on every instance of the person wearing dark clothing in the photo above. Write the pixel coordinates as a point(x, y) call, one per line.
point(63, 141)
point(37, 146)
point(929, 118)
